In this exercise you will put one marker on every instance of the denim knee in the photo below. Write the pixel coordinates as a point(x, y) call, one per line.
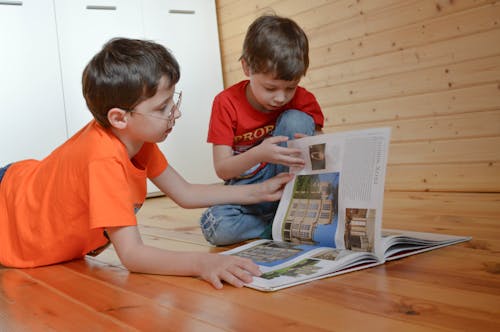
point(293, 122)
point(208, 225)
point(213, 231)
point(229, 224)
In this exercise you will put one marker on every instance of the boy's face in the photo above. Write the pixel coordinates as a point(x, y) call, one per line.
point(154, 118)
point(268, 94)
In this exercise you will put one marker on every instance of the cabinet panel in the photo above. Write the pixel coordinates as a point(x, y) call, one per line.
point(189, 30)
point(32, 114)
point(47, 43)
point(83, 28)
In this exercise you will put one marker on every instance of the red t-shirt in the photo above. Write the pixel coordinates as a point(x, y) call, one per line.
point(234, 122)
point(56, 209)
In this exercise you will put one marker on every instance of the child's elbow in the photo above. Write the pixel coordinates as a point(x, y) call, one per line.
point(186, 204)
point(131, 262)
point(223, 176)
point(222, 170)
point(130, 265)
point(132, 268)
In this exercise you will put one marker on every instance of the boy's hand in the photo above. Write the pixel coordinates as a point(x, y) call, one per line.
point(272, 189)
point(234, 270)
point(299, 135)
point(271, 152)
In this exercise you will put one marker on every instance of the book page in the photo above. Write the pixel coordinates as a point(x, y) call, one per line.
point(336, 199)
point(400, 243)
point(285, 264)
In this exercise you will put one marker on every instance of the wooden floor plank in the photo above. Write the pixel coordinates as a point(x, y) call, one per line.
point(292, 308)
point(200, 301)
point(182, 234)
point(129, 308)
point(451, 289)
point(378, 292)
point(28, 304)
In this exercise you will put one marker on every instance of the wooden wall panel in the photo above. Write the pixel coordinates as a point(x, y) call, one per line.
point(439, 54)
point(408, 36)
point(430, 70)
point(453, 101)
point(356, 30)
point(440, 78)
point(449, 127)
point(463, 177)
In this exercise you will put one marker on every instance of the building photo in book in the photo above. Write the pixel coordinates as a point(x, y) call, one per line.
point(359, 233)
point(303, 268)
point(317, 156)
point(307, 266)
point(312, 214)
point(272, 253)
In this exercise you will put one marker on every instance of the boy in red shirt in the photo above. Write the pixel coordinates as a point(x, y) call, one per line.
point(86, 192)
point(252, 120)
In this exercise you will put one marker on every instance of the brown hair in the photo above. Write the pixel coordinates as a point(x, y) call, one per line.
point(275, 44)
point(124, 73)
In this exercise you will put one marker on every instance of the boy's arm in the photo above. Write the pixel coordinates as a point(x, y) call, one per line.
point(213, 268)
point(189, 195)
point(228, 166)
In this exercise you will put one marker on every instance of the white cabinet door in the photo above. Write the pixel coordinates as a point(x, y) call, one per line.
point(32, 121)
point(189, 30)
point(83, 28)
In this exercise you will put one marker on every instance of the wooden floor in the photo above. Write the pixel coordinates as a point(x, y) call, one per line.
point(451, 289)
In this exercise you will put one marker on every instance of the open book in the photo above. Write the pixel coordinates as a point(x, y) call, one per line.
point(329, 221)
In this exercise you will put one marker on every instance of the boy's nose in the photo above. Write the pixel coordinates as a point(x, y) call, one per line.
point(279, 97)
point(177, 113)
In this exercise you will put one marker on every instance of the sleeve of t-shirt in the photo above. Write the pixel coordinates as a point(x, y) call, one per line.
point(110, 201)
point(307, 103)
point(151, 158)
point(222, 121)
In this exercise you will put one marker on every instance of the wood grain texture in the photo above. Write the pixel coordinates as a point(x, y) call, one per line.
point(427, 69)
point(455, 288)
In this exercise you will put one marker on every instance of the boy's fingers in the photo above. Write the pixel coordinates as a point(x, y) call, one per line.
point(277, 139)
point(250, 266)
point(284, 177)
point(299, 135)
point(231, 279)
point(215, 281)
point(243, 275)
point(296, 160)
point(292, 152)
point(289, 153)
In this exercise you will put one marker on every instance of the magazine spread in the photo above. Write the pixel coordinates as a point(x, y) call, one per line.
point(329, 218)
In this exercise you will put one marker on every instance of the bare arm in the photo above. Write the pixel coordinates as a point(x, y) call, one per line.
point(228, 166)
point(213, 268)
point(189, 195)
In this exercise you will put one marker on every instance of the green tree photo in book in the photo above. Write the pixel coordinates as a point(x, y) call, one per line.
point(329, 219)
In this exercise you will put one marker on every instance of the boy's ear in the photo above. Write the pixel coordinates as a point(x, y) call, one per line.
point(117, 118)
point(246, 68)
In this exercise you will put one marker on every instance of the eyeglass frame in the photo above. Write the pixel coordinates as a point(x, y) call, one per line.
point(171, 112)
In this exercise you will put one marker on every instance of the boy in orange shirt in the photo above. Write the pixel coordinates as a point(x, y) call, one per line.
point(86, 192)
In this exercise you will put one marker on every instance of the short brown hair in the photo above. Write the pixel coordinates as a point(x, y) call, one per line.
point(124, 73)
point(275, 44)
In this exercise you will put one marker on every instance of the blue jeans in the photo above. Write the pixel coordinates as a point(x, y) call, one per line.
point(2, 171)
point(231, 223)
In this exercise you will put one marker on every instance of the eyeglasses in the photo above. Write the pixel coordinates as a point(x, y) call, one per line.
point(169, 109)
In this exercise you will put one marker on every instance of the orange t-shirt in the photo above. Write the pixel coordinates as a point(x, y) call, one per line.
point(56, 209)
